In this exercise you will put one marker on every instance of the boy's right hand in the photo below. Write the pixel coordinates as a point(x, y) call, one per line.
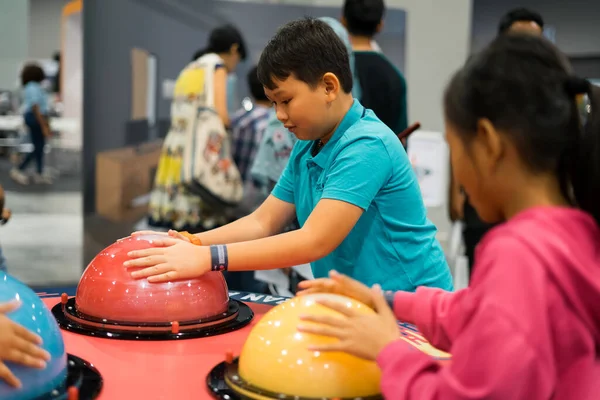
point(338, 284)
point(18, 345)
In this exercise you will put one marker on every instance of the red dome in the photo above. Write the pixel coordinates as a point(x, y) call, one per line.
point(107, 290)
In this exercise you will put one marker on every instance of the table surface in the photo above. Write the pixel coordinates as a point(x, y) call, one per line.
point(145, 370)
point(177, 370)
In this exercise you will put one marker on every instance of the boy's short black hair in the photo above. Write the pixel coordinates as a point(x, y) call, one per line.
point(256, 88)
point(32, 72)
point(363, 16)
point(306, 48)
point(517, 15)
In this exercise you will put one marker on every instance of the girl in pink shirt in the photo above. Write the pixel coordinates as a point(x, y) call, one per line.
point(528, 327)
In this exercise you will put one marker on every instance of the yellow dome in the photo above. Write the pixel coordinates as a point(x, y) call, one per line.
point(275, 357)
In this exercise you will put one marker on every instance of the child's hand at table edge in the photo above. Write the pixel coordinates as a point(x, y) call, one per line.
point(359, 334)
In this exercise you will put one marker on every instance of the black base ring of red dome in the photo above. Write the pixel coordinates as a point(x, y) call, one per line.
point(81, 375)
point(236, 317)
point(220, 388)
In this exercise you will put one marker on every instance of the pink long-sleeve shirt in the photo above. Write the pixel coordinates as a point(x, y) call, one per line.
point(528, 327)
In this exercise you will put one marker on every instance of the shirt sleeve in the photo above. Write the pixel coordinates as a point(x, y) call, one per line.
point(491, 359)
point(433, 311)
point(500, 342)
point(358, 172)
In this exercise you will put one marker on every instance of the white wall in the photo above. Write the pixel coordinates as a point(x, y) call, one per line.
point(14, 40)
point(577, 22)
point(44, 27)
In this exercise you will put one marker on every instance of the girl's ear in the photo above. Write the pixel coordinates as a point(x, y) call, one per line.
point(490, 143)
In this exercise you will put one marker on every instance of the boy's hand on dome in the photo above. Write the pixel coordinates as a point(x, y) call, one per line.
point(338, 284)
point(169, 260)
point(362, 335)
point(18, 345)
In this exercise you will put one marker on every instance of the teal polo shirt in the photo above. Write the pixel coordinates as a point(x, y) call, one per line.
point(393, 243)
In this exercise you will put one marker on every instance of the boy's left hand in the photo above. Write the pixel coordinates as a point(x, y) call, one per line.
point(169, 260)
point(359, 334)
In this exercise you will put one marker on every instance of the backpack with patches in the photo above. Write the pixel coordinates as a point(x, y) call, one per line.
point(207, 168)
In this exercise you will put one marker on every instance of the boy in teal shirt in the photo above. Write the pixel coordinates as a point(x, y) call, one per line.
point(348, 181)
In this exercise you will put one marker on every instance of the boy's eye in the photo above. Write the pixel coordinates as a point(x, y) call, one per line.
point(286, 101)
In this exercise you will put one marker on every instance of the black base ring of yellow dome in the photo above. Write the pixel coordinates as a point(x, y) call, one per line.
point(81, 375)
point(225, 383)
point(236, 317)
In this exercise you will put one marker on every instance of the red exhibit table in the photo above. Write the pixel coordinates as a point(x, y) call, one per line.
point(149, 370)
point(177, 369)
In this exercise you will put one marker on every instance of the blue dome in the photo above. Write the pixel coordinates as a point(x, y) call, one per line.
point(36, 317)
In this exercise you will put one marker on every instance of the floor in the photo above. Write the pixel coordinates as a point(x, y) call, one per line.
point(45, 242)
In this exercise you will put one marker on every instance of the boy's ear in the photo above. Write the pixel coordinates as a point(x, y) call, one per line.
point(331, 85)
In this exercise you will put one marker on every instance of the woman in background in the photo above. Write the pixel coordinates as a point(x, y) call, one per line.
point(171, 205)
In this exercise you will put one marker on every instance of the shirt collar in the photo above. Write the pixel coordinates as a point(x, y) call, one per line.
point(352, 116)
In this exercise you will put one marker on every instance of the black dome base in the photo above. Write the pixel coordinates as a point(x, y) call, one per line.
point(81, 375)
point(221, 378)
point(236, 317)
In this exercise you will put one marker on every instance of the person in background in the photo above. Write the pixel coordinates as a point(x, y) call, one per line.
point(528, 326)
point(519, 20)
point(35, 112)
point(172, 206)
point(57, 78)
point(4, 217)
point(383, 85)
point(247, 128)
point(18, 345)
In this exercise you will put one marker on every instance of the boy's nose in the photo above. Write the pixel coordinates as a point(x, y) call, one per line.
point(281, 115)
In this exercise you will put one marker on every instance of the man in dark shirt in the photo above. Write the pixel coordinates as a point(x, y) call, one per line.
point(383, 86)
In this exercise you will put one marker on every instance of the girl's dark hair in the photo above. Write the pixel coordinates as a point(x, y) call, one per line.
point(220, 41)
point(32, 73)
point(524, 86)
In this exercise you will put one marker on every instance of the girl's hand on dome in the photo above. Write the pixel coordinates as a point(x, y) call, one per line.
point(18, 345)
